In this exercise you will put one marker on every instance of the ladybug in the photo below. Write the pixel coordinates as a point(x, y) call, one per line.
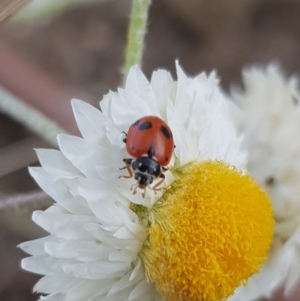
point(150, 141)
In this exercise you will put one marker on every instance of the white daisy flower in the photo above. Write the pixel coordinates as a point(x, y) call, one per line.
point(269, 119)
point(204, 230)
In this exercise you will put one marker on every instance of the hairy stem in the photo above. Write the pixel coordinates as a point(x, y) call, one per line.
point(136, 35)
point(30, 117)
point(25, 202)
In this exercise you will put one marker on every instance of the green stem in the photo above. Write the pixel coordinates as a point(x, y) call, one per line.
point(30, 117)
point(136, 34)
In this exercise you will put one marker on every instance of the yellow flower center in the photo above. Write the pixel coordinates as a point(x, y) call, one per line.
point(208, 234)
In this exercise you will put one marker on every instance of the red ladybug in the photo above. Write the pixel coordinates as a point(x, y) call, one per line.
point(150, 141)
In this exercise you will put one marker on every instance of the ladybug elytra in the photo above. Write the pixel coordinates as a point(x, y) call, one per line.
point(150, 141)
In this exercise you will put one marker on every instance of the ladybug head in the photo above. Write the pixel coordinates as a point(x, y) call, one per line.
point(143, 179)
point(145, 166)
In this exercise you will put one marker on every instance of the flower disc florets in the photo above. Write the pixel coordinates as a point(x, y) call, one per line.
point(208, 233)
point(106, 243)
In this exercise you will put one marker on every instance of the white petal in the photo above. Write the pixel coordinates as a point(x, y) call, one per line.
point(137, 83)
point(137, 271)
point(82, 250)
point(55, 283)
point(57, 164)
point(85, 155)
point(124, 189)
point(42, 264)
point(107, 238)
point(105, 104)
point(85, 288)
point(138, 229)
point(108, 210)
point(124, 233)
point(122, 255)
point(162, 85)
point(143, 289)
point(54, 297)
point(123, 283)
point(128, 108)
point(92, 123)
point(102, 295)
point(64, 225)
point(59, 192)
point(35, 247)
point(97, 270)
point(135, 247)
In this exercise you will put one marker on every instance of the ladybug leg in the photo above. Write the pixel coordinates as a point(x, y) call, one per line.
point(164, 168)
point(144, 192)
point(154, 188)
point(134, 188)
point(128, 167)
point(125, 139)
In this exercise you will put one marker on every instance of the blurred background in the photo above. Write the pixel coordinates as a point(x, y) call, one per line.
point(77, 52)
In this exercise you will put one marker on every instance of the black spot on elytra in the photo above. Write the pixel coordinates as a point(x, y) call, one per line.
point(166, 159)
point(133, 148)
point(165, 132)
point(145, 126)
point(136, 123)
